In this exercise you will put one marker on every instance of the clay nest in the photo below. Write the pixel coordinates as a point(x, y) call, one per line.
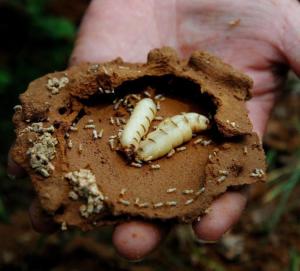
point(67, 130)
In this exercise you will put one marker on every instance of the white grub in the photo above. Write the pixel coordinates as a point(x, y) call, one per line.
point(158, 118)
point(189, 201)
point(138, 124)
point(206, 142)
point(158, 205)
point(55, 84)
point(90, 126)
point(117, 104)
point(112, 121)
point(70, 144)
point(95, 134)
point(210, 157)
point(67, 135)
point(124, 202)
point(143, 205)
point(156, 166)
point(123, 191)
point(137, 201)
point(118, 122)
point(198, 141)
point(41, 153)
point(183, 148)
point(17, 107)
point(171, 203)
point(200, 191)
point(100, 134)
point(223, 172)
point(63, 226)
point(73, 128)
point(85, 185)
point(101, 89)
point(111, 143)
point(159, 97)
point(158, 105)
point(122, 120)
point(137, 165)
point(245, 150)
point(187, 191)
point(147, 94)
point(221, 179)
point(171, 190)
point(171, 133)
point(109, 91)
point(80, 148)
point(73, 195)
point(136, 97)
point(105, 70)
point(257, 173)
point(171, 153)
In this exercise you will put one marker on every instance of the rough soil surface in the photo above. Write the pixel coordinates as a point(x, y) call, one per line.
point(230, 154)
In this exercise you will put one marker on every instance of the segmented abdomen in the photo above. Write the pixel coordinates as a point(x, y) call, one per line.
point(138, 124)
point(171, 133)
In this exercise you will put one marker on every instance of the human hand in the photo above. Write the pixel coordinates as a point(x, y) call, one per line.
point(258, 37)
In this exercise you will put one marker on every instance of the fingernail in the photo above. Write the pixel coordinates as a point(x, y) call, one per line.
point(136, 261)
point(204, 242)
point(11, 177)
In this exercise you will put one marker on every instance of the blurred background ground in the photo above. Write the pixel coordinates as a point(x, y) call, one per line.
point(36, 38)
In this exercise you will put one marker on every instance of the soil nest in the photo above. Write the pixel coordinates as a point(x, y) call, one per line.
point(70, 123)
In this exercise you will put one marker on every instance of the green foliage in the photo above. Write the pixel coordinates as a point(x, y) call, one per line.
point(44, 45)
point(55, 28)
point(283, 182)
point(5, 80)
point(294, 260)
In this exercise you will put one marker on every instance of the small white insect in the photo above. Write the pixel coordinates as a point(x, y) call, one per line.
point(138, 124)
point(170, 133)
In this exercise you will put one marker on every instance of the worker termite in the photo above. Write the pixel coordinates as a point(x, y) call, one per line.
point(137, 125)
point(171, 133)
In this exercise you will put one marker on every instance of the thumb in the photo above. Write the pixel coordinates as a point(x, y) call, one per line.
point(291, 35)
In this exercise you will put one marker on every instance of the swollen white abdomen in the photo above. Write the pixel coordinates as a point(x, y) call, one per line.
point(138, 123)
point(171, 133)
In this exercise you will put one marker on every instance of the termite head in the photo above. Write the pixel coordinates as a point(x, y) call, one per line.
point(130, 152)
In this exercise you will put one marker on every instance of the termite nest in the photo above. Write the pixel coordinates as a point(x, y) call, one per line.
point(146, 136)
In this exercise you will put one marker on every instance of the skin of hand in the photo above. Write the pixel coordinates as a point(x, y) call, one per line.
point(258, 37)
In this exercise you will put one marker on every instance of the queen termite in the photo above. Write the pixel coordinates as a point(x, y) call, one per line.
point(137, 125)
point(170, 133)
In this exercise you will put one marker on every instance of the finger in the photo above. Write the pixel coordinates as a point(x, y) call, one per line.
point(136, 239)
point(290, 35)
point(41, 222)
point(13, 169)
point(134, 31)
point(223, 214)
